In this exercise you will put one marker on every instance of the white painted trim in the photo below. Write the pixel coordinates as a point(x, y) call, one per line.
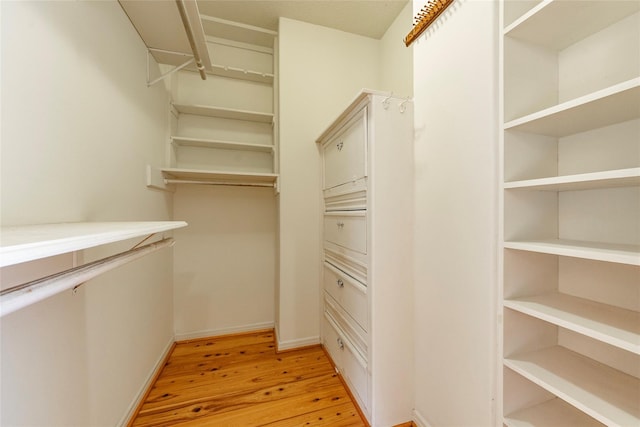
point(147, 384)
point(224, 331)
point(419, 420)
point(301, 342)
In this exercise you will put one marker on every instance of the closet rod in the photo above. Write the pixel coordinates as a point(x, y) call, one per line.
point(20, 296)
point(234, 184)
point(189, 30)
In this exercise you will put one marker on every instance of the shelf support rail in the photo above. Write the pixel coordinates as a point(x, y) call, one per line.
point(20, 296)
point(168, 73)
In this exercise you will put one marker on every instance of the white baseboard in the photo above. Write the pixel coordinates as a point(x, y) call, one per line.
point(419, 420)
point(291, 344)
point(223, 331)
point(147, 384)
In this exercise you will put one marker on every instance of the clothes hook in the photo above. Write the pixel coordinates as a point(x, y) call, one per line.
point(385, 103)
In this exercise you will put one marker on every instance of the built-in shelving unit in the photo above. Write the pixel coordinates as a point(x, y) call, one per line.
point(223, 131)
point(570, 198)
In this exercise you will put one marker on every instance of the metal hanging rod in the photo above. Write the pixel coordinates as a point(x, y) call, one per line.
point(189, 30)
point(20, 296)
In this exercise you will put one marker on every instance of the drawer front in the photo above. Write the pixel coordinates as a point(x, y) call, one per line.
point(352, 263)
point(348, 292)
point(351, 329)
point(345, 154)
point(352, 366)
point(347, 229)
point(332, 343)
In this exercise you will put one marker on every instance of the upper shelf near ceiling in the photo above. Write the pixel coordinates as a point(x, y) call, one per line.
point(161, 28)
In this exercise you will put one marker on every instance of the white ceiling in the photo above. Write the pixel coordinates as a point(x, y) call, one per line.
point(370, 18)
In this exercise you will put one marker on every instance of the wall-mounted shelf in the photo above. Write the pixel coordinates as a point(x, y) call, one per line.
point(609, 324)
point(222, 28)
point(608, 106)
point(225, 113)
point(566, 22)
point(31, 242)
point(605, 179)
point(616, 253)
point(191, 176)
point(222, 145)
point(548, 413)
point(601, 392)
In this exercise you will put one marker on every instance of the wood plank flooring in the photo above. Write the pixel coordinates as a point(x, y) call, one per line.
point(240, 380)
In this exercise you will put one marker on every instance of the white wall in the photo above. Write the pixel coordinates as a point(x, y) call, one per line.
point(396, 60)
point(224, 277)
point(321, 71)
point(455, 63)
point(78, 127)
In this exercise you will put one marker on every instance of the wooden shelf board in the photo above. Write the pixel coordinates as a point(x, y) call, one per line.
point(225, 113)
point(218, 144)
point(554, 412)
point(213, 176)
point(30, 242)
point(598, 390)
point(559, 24)
point(615, 253)
point(608, 106)
point(605, 179)
point(612, 325)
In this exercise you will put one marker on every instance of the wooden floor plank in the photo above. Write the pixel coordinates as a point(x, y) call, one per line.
point(241, 381)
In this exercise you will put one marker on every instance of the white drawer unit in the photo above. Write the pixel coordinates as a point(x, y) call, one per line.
point(347, 229)
point(367, 279)
point(348, 292)
point(345, 154)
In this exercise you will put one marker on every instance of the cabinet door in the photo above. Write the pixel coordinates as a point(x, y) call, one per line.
point(345, 154)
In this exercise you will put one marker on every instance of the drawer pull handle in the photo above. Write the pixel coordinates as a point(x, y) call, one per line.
point(340, 283)
point(340, 145)
point(340, 224)
point(340, 343)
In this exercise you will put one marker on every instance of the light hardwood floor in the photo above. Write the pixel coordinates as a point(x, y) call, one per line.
point(240, 380)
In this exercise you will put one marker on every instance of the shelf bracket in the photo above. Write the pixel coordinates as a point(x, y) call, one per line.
point(150, 82)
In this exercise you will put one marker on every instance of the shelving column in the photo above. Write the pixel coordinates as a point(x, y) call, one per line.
point(570, 198)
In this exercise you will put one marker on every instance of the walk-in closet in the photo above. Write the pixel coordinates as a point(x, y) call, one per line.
point(385, 213)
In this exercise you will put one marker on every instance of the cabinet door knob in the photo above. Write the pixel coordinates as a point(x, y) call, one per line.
point(340, 145)
point(340, 283)
point(340, 343)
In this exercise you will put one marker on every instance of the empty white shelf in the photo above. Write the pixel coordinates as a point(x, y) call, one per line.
point(219, 176)
point(585, 181)
point(608, 106)
point(616, 253)
point(218, 144)
point(606, 323)
point(555, 412)
point(604, 393)
point(225, 113)
point(566, 22)
point(30, 242)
